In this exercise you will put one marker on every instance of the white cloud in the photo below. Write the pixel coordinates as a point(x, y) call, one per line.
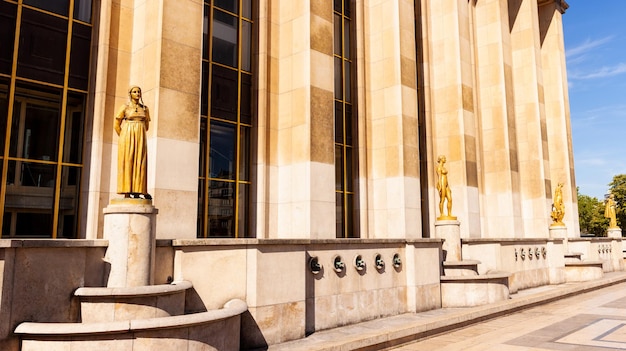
point(587, 46)
point(603, 72)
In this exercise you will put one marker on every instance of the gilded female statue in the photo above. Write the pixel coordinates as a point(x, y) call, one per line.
point(444, 189)
point(558, 208)
point(609, 211)
point(131, 123)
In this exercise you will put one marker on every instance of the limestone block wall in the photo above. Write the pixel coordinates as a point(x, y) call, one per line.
point(287, 299)
point(38, 278)
point(531, 262)
point(606, 250)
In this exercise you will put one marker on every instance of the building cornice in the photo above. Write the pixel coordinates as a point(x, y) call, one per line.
point(560, 5)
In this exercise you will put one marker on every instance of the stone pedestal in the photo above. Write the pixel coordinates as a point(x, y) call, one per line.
point(614, 232)
point(558, 231)
point(129, 226)
point(450, 231)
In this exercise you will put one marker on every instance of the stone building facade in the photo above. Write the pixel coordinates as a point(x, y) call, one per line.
point(285, 130)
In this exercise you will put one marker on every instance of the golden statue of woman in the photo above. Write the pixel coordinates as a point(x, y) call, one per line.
point(131, 123)
point(609, 211)
point(445, 194)
point(558, 208)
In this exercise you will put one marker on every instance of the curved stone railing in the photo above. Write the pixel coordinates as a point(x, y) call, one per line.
point(182, 331)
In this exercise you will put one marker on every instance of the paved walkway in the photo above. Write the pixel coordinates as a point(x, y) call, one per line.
point(589, 316)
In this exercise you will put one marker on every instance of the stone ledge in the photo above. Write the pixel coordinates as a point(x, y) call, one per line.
point(508, 241)
point(51, 243)
point(584, 264)
point(231, 309)
point(148, 290)
point(475, 278)
point(254, 242)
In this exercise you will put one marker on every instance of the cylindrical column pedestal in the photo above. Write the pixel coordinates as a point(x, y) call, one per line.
point(558, 231)
point(450, 230)
point(614, 232)
point(129, 225)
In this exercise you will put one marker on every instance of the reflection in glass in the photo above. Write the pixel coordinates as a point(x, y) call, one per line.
point(246, 11)
point(221, 209)
point(34, 134)
point(79, 56)
point(68, 202)
point(243, 202)
point(225, 38)
point(222, 150)
point(74, 124)
point(82, 10)
point(339, 215)
point(246, 45)
point(224, 93)
point(244, 153)
point(43, 40)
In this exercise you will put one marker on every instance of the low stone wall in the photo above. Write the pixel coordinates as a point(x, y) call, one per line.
point(289, 296)
point(531, 262)
point(38, 280)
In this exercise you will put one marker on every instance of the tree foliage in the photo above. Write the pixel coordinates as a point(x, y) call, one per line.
point(591, 215)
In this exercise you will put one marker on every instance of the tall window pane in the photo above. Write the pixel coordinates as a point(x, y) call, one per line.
point(345, 123)
point(227, 116)
point(7, 32)
point(43, 40)
point(44, 119)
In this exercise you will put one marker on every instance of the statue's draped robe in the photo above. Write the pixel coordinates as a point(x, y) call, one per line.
point(131, 125)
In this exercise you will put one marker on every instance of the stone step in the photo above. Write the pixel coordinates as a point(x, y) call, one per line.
point(120, 304)
point(460, 268)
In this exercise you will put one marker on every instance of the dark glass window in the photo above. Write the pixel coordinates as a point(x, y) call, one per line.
point(60, 7)
point(45, 118)
point(43, 41)
point(345, 122)
point(225, 38)
point(224, 87)
point(7, 32)
point(82, 10)
point(79, 56)
point(226, 120)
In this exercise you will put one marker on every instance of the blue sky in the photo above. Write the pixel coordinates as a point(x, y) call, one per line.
point(595, 46)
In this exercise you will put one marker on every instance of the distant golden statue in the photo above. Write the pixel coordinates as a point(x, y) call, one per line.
point(444, 189)
point(609, 211)
point(131, 123)
point(558, 208)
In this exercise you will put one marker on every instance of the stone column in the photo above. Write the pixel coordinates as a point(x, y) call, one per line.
point(390, 109)
point(453, 121)
point(557, 106)
point(450, 231)
point(500, 170)
point(129, 225)
point(530, 119)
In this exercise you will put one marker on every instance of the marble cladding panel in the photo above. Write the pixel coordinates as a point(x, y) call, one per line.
point(206, 267)
point(182, 22)
point(177, 117)
point(279, 276)
point(62, 270)
point(180, 207)
point(176, 165)
point(276, 323)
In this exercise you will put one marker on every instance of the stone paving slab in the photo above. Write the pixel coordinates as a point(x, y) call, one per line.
point(384, 333)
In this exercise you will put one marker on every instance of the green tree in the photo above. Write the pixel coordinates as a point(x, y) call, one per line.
point(591, 215)
point(617, 187)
